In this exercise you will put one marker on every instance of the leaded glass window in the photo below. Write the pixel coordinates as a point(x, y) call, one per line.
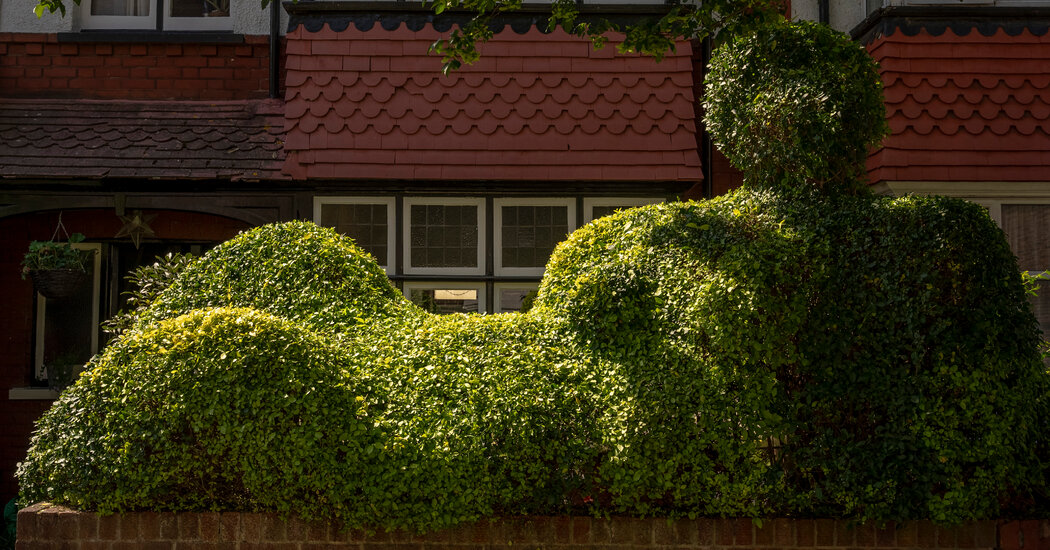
point(444, 236)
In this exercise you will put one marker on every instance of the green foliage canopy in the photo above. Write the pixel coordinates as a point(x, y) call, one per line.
point(795, 103)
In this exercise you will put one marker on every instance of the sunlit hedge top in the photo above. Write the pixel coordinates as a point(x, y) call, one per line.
point(794, 103)
point(295, 270)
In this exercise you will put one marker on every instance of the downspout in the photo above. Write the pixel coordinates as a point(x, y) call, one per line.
point(275, 49)
point(707, 148)
point(825, 11)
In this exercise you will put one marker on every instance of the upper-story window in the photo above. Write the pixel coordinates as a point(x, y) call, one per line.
point(175, 15)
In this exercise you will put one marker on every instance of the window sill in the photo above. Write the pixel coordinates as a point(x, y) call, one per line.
point(32, 394)
point(153, 37)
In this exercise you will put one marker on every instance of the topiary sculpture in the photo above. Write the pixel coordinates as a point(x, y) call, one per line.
point(795, 103)
point(799, 347)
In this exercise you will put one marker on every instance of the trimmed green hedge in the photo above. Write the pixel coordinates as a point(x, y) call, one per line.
point(762, 353)
point(799, 353)
point(788, 349)
point(226, 408)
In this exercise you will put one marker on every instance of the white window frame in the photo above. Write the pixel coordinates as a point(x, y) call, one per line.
point(497, 231)
point(995, 206)
point(117, 22)
point(995, 211)
point(497, 287)
point(406, 253)
point(391, 220)
point(149, 22)
point(479, 286)
point(41, 310)
point(630, 202)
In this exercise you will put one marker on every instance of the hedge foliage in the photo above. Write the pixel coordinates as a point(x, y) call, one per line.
point(762, 353)
point(291, 270)
point(795, 103)
point(806, 353)
point(783, 350)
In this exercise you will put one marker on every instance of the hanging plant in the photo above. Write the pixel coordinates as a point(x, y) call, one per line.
point(57, 268)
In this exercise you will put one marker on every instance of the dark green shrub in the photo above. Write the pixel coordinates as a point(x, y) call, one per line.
point(806, 354)
point(795, 103)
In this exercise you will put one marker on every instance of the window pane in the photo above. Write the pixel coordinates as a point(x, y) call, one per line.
point(199, 8)
point(443, 235)
point(69, 328)
point(1027, 228)
point(120, 7)
point(1041, 307)
point(512, 299)
point(602, 211)
point(530, 233)
point(366, 224)
point(451, 300)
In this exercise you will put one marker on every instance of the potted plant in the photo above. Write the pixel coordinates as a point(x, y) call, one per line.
point(57, 268)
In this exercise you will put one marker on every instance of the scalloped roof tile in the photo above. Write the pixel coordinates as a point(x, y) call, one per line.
point(970, 107)
point(60, 139)
point(537, 106)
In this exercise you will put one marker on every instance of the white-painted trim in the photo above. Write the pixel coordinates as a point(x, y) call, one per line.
point(991, 195)
point(995, 207)
point(406, 256)
point(391, 217)
point(966, 189)
point(497, 287)
point(497, 231)
point(590, 202)
point(41, 310)
point(409, 286)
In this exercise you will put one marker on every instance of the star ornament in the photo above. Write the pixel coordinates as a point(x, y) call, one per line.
point(136, 226)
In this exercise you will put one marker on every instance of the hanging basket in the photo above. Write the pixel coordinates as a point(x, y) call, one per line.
point(56, 284)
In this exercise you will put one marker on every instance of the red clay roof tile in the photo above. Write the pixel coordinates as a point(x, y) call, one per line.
point(969, 107)
point(536, 106)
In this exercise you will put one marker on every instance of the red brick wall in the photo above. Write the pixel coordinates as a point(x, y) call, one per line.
point(16, 315)
point(724, 177)
point(44, 526)
point(37, 65)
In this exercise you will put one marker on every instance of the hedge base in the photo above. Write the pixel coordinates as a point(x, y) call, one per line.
point(44, 526)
